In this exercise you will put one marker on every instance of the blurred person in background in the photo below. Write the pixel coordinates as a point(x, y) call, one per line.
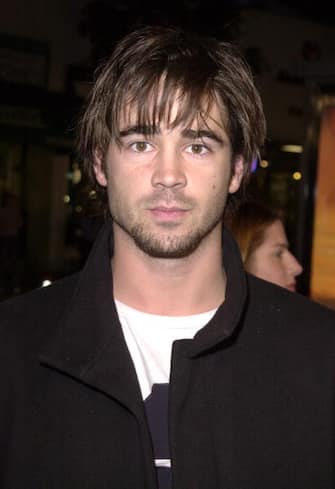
point(261, 236)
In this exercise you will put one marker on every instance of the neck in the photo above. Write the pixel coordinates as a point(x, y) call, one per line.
point(173, 287)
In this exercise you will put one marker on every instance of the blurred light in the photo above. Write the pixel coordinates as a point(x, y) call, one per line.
point(66, 199)
point(254, 165)
point(264, 164)
point(76, 176)
point(292, 148)
point(92, 194)
point(45, 283)
point(78, 208)
point(297, 175)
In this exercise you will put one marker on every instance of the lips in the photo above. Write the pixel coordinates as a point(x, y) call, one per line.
point(168, 213)
point(168, 209)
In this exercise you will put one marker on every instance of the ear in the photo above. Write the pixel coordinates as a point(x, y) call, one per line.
point(99, 168)
point(237, 175)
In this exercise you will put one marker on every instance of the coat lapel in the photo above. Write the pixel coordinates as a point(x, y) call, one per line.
point(225, 323)
point(89, 344)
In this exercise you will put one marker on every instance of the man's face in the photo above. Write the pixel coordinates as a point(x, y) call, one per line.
point(167, 191)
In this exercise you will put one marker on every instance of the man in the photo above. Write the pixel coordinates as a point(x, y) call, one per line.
point(162, 364)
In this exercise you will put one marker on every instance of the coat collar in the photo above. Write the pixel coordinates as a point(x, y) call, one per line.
point(89, 342)
point(227, 318)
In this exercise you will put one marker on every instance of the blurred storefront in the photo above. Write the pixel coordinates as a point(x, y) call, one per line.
point(36, 161)
point(296, 77)
point(323, 246)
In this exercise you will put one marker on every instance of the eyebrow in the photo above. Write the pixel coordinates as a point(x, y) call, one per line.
point(186, 133)
point(143, 130)
point(281, 245)
point(201, 134)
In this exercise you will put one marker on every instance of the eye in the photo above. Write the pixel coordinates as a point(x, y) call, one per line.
point(279, 253)
point(140, 146)
point(198, 149)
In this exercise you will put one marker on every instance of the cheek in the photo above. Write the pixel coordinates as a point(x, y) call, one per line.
point(276, 272)
point(279, 270)
point(218, 184)
point(116, 192)
point(127, 191)
point(265, 267)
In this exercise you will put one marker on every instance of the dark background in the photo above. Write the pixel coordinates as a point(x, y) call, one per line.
point(48, 54)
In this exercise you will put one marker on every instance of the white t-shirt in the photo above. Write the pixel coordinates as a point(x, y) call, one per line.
point(149, 338)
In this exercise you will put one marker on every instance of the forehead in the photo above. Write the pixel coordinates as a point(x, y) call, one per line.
point(175, 111)
point(275, 233)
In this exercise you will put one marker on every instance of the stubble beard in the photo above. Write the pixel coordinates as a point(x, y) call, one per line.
point(169, 245)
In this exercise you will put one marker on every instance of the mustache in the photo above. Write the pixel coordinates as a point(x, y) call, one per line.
point(168, 197)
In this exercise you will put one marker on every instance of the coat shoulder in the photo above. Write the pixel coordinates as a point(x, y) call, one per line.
point(289, 310)
point(31, 315)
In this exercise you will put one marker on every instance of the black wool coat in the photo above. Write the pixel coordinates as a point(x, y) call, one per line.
point(251, 399)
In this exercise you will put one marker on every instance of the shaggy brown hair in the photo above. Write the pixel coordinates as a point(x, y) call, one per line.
point(149, 69)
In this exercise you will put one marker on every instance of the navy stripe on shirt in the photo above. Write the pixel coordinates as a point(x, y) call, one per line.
point(156, 406)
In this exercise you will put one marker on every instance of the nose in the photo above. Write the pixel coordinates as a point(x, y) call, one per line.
point(295, 267)
point(169, 171)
